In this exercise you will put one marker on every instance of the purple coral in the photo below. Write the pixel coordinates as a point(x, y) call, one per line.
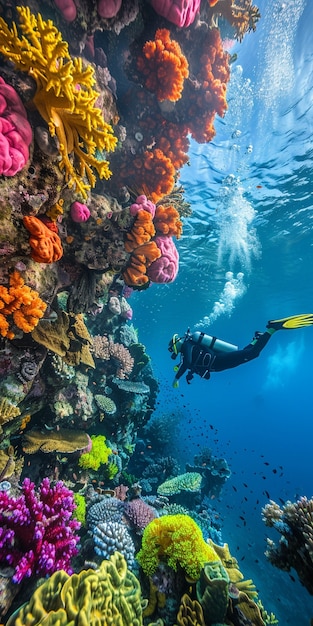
point(37, 534)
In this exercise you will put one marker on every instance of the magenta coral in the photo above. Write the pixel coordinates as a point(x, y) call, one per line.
point(165, 268)
point(37, 534)
point(179, 12)
point(142, 202)
point(79, 212)
point(15, 131)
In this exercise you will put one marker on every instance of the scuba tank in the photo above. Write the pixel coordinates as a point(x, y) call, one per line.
point(217, 345)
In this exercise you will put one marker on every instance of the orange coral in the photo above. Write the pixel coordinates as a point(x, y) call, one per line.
point(157, 174)
point(163, 66)
point(174, 143)
point(141, 232)
point(46, 244)
point(167, 222)
point(141, 258)
point(210, 98)
point(22, 303)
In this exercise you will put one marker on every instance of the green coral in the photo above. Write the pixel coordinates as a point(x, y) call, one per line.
point(191, 481)
point(80, 511)
point(111, 470)
point(98, 455)
point(178, 540)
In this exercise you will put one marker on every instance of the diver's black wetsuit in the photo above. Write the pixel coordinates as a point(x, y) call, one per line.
point(201, 360)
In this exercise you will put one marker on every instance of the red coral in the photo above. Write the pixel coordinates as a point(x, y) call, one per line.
point(163, 66)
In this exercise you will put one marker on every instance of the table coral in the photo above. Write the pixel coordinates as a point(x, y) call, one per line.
point(45, 243)
point(37, 534)
point(63, 440)
point(178, 540)
point(65, 96)
point(15, 131)
point(19, 305)
point(191, 481)
point(163, 66)
point(110, 594)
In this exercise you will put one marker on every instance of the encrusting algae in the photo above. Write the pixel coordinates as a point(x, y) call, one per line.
point(65, 97)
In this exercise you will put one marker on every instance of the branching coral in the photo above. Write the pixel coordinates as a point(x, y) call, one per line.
point(65, 96)
point(163, 66)
point(104, 348)
point(178, 540)
point(7, 412)
point(37, 534)
point(45, 243)
point(19, 304)
point(241, 14)
point(294, 521)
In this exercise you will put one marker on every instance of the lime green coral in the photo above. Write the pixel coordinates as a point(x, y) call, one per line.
point(98, 455)
point(191, 481)
point(65, 96)
point(80, 511)
point(178, 540)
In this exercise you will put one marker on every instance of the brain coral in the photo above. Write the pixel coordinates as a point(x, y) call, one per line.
point(110, 595)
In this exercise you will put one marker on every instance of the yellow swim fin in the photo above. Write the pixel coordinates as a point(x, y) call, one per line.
point(293, 321)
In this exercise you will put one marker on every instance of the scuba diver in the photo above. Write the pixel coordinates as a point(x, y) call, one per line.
point(202, 354)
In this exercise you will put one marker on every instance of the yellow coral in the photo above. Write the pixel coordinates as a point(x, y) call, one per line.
point(106, 596)
point(65, 96)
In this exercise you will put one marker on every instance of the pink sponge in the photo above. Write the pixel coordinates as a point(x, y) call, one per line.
point(180, 12)
point(79, 212)
point(142, 202)
point(67, 8)
point(15, 131)
point(164, 269)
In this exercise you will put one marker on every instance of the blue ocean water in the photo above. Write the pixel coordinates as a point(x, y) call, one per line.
point(246, 257)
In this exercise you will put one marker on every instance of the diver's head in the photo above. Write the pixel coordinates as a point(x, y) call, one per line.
point(175, 345)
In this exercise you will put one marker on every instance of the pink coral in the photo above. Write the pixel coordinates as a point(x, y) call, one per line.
point(79, 212)
point(164, 269)
point(142, 202)
point(15, 131)
point(67, 8)
point(108, 8)
point(180, 12)
point(139, 513)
